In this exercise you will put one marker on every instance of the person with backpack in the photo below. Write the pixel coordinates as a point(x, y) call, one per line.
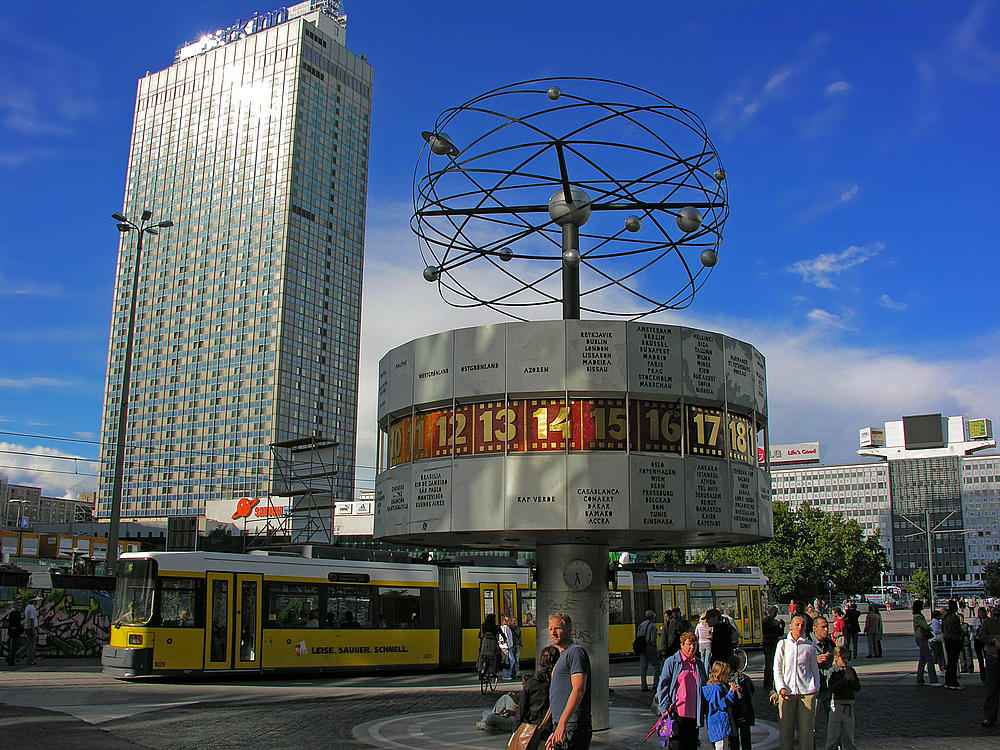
point(15, 630)
point(723, 636)
point(515, 647)
point(644, 647)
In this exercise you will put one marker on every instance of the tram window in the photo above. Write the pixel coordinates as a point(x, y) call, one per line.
point(616, 608)
point(399, 607)
point(180, 602)
point(348, 607)
point(699, 601)
point(292, 605)
point(527, 607)
point(728, 602)
point(627, 606)
point(470, 609)
point(134, 592)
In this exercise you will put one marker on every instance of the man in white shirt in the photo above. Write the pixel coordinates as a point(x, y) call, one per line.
point(797, 680)
point(31, 630)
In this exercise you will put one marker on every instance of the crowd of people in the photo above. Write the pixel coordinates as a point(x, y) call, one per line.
point(22, 632)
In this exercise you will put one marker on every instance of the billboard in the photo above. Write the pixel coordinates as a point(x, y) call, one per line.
point(925, 431)
point(792, 453)
point(871, 437)
point(250, 513)
point(978, 429)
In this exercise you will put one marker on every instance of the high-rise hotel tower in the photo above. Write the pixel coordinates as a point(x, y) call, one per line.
point(254, 142)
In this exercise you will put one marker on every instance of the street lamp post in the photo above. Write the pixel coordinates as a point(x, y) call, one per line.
point(20, 531)
point(143, 228)
point(928, 532)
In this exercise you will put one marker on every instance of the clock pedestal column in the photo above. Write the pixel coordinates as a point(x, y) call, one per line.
point(572, 578)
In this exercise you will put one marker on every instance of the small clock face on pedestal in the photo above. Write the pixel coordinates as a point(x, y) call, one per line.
point(578, 575)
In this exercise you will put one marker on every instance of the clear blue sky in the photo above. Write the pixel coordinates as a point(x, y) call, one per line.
point(860, 142)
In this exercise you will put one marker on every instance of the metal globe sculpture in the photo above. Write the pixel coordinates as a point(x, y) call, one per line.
point(600, 181)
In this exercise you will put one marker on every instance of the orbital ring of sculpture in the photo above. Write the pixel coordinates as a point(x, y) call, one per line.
point(572, 173)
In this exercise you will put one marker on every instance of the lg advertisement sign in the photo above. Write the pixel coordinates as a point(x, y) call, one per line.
point(791, 453)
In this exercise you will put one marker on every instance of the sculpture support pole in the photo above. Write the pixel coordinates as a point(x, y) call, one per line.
point(588, 608)
point(571, 271)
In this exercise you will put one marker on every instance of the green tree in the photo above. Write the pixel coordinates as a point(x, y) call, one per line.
point(991, 578)
point(920, 585)
point(669, 557)
point(808, 549)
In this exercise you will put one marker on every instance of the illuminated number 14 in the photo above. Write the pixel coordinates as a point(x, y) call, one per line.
point(559, 424)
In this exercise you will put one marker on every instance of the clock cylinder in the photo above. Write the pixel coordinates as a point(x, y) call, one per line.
point(587, 607)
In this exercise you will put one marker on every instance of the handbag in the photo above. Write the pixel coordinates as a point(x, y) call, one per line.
point(528, 736)
point(664, 726)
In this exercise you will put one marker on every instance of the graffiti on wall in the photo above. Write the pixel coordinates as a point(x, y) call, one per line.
point(71, 622)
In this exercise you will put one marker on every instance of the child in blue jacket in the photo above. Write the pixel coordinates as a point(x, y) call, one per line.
point(720, 693)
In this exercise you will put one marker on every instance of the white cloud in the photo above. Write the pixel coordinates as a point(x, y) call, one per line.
point(47, 468)
point(830, 202)
point(22, 384)
point(817, 271)
point(838, 87)
point(12, 288)
point(826, 318)
point(890, 304)
point(85, 435)
point(970, 54)
point(850, 194)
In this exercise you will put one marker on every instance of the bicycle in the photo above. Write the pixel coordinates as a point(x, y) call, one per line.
point(489, 678)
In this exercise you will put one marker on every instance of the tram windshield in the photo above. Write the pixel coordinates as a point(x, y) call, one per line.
point(134, 592)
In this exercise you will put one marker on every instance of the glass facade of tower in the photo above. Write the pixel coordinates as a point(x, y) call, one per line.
point(249, 307)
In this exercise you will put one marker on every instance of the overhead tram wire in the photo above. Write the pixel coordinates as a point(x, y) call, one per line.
point(134, 447)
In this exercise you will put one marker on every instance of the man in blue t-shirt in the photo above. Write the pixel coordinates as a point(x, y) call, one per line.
point(569, 689)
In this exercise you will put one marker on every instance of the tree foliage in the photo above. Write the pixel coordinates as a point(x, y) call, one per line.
point(991, 578)
point(809, 548)
point(671, 557)
point(920, 586)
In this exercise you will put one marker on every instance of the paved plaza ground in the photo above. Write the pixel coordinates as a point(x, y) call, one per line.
point(71, 704)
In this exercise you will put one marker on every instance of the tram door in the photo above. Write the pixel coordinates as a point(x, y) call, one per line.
point(675, 596)
point(746, 619)
point(232, 617)
point(498, 599)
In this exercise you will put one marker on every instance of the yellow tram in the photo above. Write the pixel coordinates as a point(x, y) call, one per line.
point(204, 611)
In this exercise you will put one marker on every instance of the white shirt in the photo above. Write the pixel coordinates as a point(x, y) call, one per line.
point(506, 638)
point(795, 666)
point(704, 633)
point(30, 616)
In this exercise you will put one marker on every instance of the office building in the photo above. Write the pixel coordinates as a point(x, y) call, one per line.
point(26, 505)
point(254, 142)
point(926, 475)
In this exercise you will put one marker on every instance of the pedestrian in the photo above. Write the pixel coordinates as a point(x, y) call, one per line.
point(645, 647)
point(937, 640)
point(801, 611)
point(852, 629)
point(665, 637)
point(825, 646)
point(704, 633)
point(967, 664)
point(923, 635)
point(489, 645)
point(15, 631)
point(506, 639)
point(742, 709)
point(797, 679)
point(873, 631)
point(722, 637)
point(838, 626)
point(991, 651)
point(31, 630)
point(978, 643)
point(515, 647)
point(951, 633)
point(681, 679)
point(720, 693)
point(844, 686)
point(773, 631)
point(569, 690)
